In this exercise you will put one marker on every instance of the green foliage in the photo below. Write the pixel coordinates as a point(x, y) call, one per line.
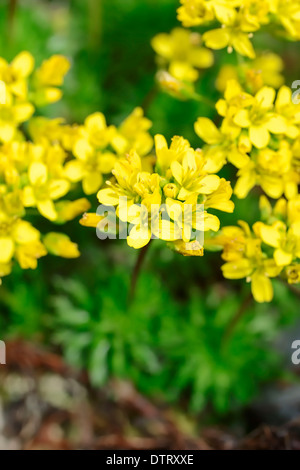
point(167, 348)
point(22, 308)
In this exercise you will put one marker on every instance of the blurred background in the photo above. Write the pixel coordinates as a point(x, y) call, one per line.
point(191, 362)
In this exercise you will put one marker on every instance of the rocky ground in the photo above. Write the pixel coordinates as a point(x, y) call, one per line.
point(46, 405)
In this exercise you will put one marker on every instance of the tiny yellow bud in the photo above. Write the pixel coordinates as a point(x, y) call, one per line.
point(170, 190)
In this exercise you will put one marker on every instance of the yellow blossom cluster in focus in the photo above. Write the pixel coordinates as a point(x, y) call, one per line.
point(259, 135)
point(181, 178)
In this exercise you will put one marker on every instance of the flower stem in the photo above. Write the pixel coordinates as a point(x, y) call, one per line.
point(12, 8)
point(203, 99)
point(95, 24)
point(295, 290)
point(136, 272)
point(149, 98)
point(235, 319)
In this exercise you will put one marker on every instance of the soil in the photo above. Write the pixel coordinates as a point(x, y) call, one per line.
point(44, 404)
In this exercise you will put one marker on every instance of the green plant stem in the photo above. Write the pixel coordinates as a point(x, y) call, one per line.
point(240, 59)
point(95, 24)
point(136, 272)
point(12, 8)
point(203, 99)
point(150, 97)
point(235, 319)
point(293, 289)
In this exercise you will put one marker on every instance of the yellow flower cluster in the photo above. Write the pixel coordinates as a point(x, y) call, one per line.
point(42, 159)
point(271, 248)
point(32, 172)
point(259, 135)
point(181, 178)
point(96, 147)
point(155, 190)
point(239, 19)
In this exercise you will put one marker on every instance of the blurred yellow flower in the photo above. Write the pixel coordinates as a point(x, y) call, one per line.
point(59, 244)
point(265, 69)
point(21, 240)
point(48, 77)
point(42, 190)
point(133, 134)
point(182, 52)
point(15, 74)
point(93, 159)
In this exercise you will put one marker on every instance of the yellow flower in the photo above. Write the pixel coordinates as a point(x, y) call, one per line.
point(189, 217)
point(93, 159)
point(20, 240)
point(191, 177)
point(286, 242)
point(165, 156)
point(245, 259)
point(293, 274)
point(293, 212)
point(221, 147)
point(89, 168)
point(239, 19)
point(220, 198)
point(95, 133)
point(11, 116)
point(260, 119)
point(45, 131)
point(235, 100)
point(126, 171)
point(181, 51)
point(197, 12)
point(133, 134)
point(266, 69)
point(269, 67)
point(42, 191)
point(180, 182)
point(193, 248)
point(174, 87)
point(68, 210)
point(270, 214)
point(59, 244)
point(234, 35)
point(48, 77)
point(15, 74)
point(289, 111)
point(27, 254)
point(90, 220)
point(288, 13)
point(272, 170)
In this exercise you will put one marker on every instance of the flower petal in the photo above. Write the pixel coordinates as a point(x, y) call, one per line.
point(6, 249)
